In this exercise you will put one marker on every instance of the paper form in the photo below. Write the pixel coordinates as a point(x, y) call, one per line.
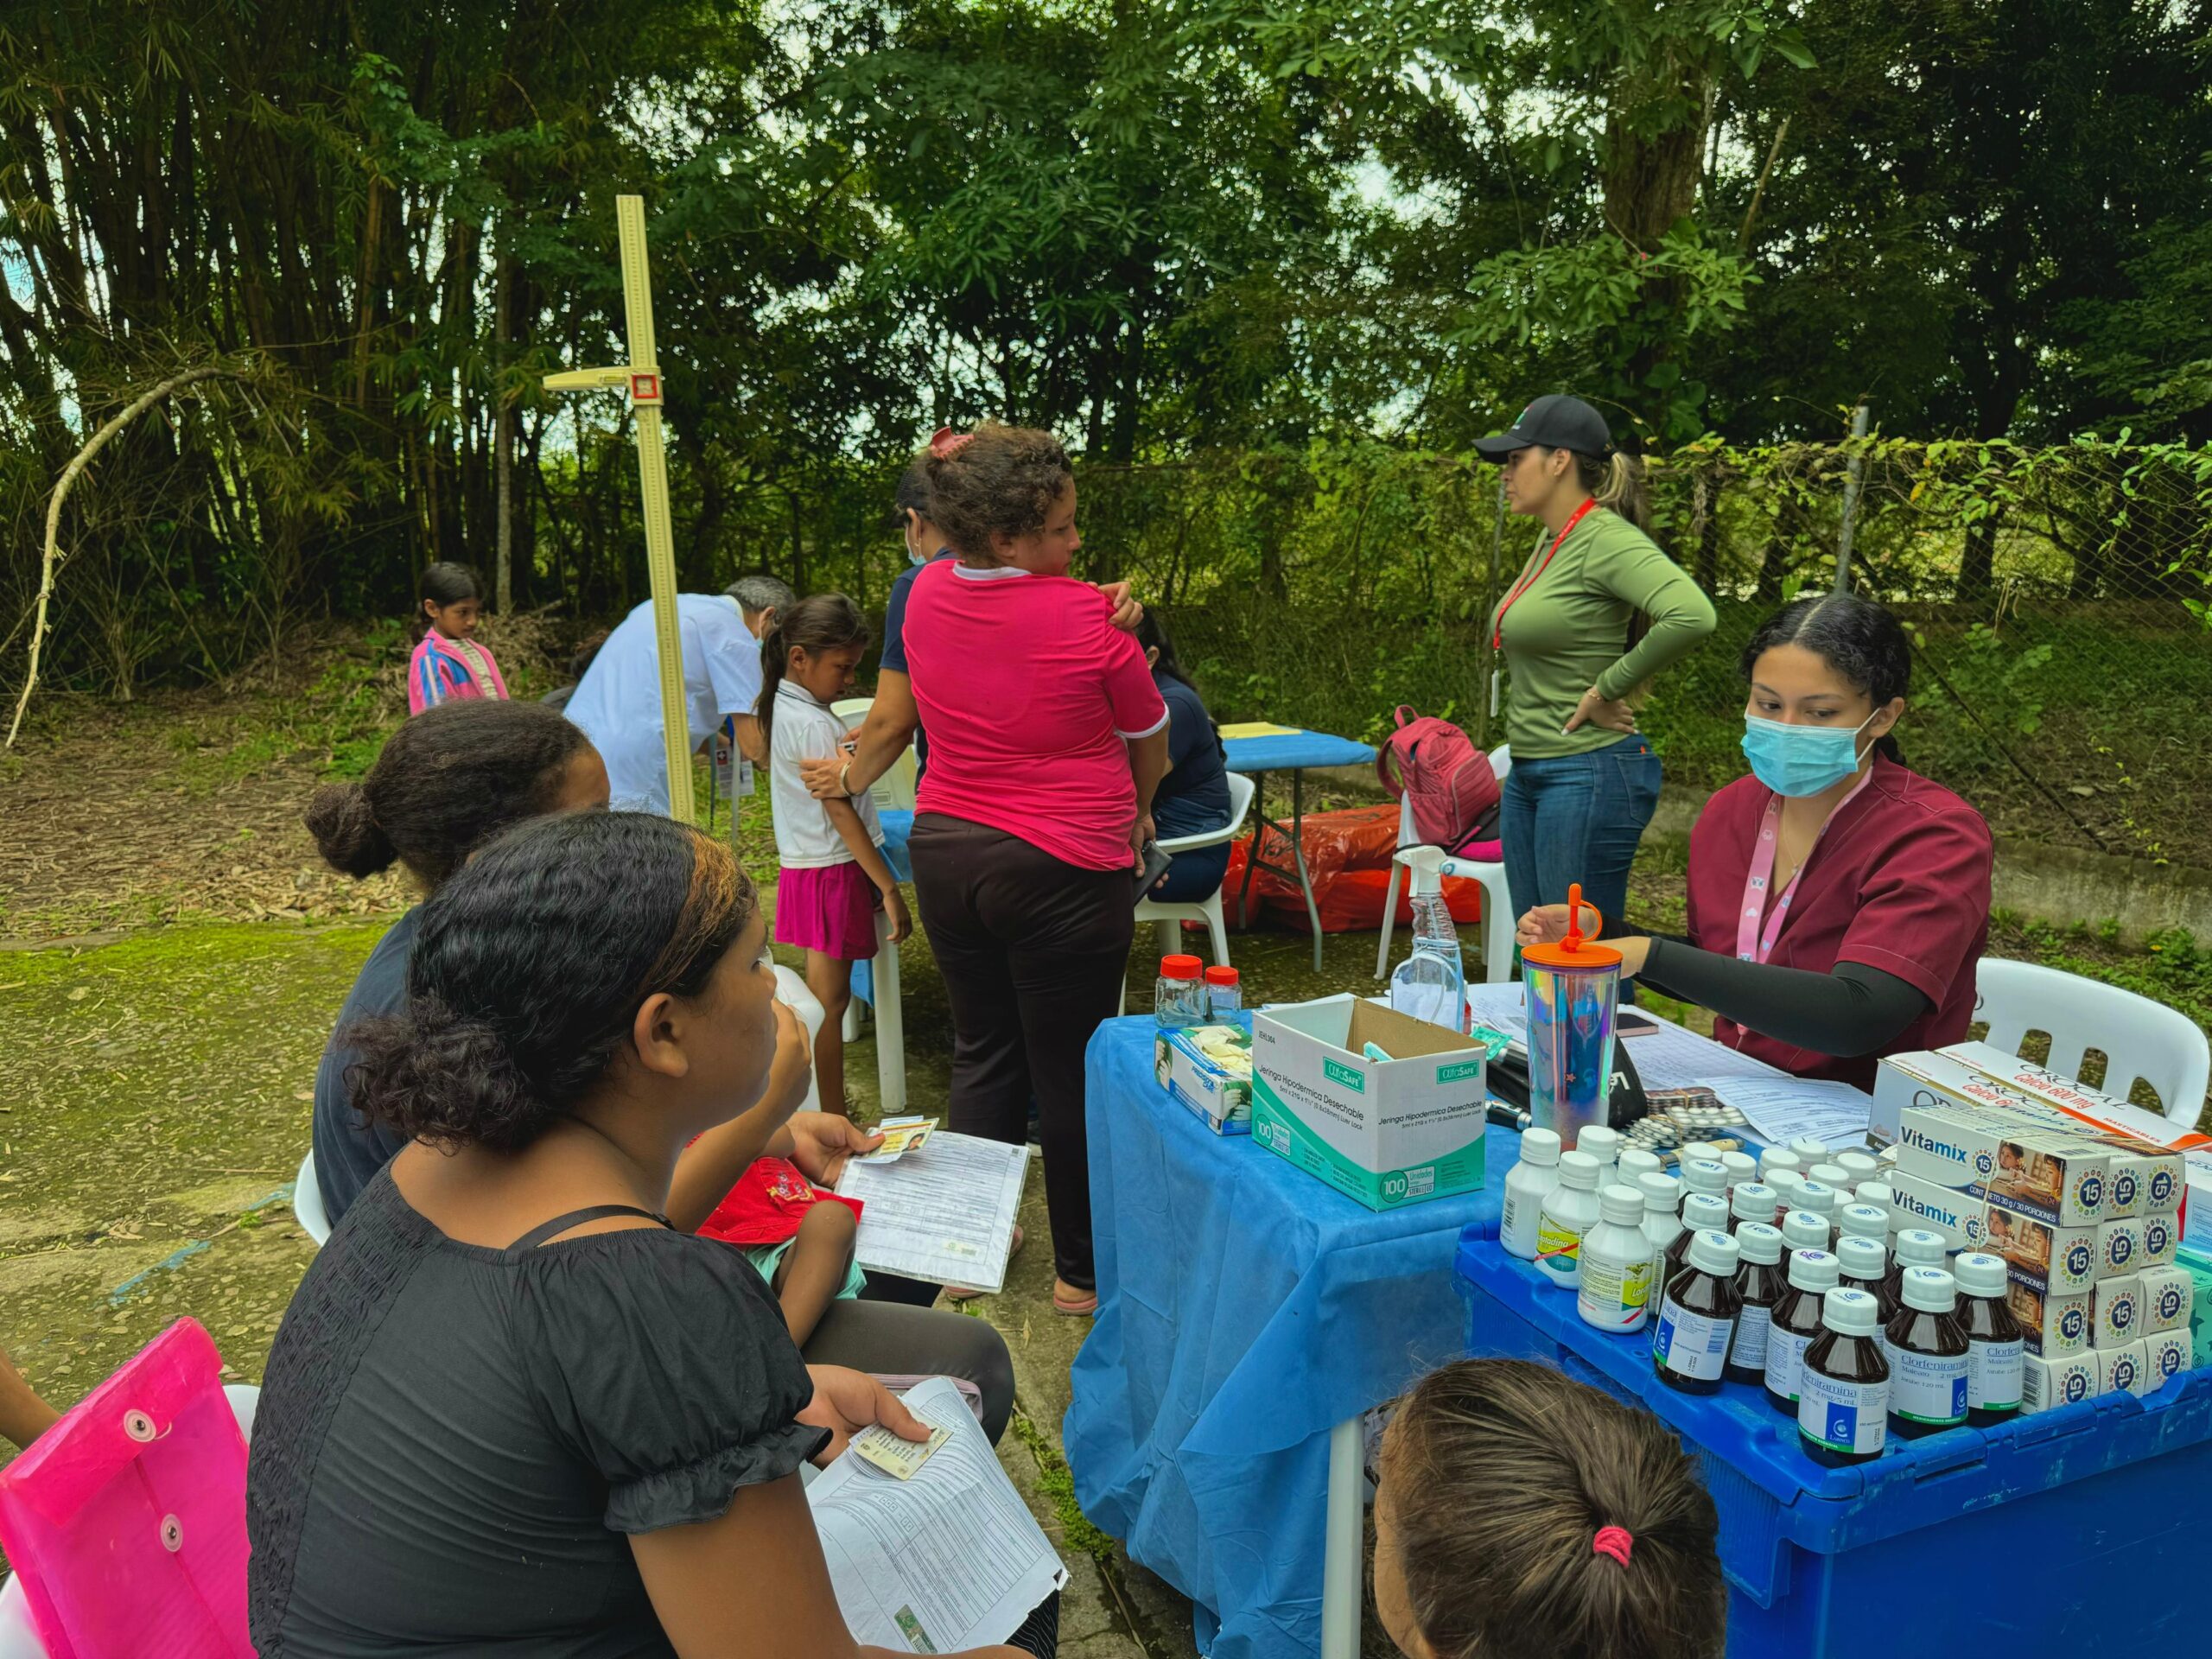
point(1783, 1108)
point(950, 1559)
point(942, 1214)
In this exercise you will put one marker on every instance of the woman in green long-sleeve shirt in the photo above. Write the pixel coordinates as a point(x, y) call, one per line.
point(1597, 611)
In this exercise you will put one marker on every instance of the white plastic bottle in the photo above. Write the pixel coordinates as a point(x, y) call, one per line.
point(1818, 1197)
point(1570, 1210)
point(1805, 1230)
point(1616, 1271)
point(1860, 1166)
point(1785, 1183)
point(1742, 1168)
point(1882, 1195)
point(1831, 1174)
point(1864, 1221)
point(1813, 1152)
point(1662, 1210)
point(1601, 1143)
point(1634, 1164)
point(1527, 1186)
point(1704, 1175)
point(1776, 1158)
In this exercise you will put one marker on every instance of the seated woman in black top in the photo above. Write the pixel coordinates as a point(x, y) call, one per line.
point(510, 1409)
point(1193, 797)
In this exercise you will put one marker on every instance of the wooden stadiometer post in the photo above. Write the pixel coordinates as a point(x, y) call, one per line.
point(642, 376)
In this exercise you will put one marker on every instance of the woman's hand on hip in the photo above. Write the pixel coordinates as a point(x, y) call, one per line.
point(1612, 713)
point(846, 1401)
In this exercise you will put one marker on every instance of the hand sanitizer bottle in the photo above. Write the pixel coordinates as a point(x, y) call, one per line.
point(1431, 984)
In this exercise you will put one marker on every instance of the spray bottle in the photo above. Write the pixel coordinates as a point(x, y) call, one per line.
point(1431, 984)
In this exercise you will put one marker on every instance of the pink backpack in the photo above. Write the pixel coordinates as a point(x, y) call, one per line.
point(126, 1520)
point(1445, 777)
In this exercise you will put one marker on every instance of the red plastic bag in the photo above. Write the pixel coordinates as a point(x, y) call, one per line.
point(1352, 902)
point(1348, 855)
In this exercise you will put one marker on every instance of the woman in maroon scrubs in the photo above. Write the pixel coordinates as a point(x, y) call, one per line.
point(1838, 900)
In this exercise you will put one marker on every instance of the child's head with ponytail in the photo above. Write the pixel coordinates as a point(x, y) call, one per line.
point(1520, 1512)
point(815, 644)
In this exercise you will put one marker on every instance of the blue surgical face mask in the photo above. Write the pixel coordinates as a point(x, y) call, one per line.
point(1800, 760)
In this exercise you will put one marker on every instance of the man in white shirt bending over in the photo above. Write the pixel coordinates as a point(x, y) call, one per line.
point(617, 704)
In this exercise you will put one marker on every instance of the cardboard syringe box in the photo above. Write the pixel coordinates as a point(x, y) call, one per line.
point(1388, 1132)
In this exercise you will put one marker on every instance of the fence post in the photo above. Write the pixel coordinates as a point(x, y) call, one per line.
point(1854, 467)
point(1490, 604)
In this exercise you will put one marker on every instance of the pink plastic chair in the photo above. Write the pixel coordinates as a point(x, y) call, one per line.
point(126, 1522)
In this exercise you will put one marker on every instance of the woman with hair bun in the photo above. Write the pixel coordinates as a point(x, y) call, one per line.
point(1839, 901)
point(511, 1409)
point(454, 779)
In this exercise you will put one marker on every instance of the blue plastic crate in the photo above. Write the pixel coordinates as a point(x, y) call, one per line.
point(2075, 1531)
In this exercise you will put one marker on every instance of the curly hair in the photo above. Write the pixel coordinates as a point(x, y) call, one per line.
point(447, 781)
point(997, 481)
point(529, 968)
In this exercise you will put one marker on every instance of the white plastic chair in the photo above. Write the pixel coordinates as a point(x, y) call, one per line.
point(791, 992)
point(1497, 899)
point(18, 1638)
point(306, 1202)
point(1171, 917)
point(2142, 1040)
point(894, 791)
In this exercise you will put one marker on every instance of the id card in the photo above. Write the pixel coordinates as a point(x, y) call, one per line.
point(901, 1136)
point(878, 1446)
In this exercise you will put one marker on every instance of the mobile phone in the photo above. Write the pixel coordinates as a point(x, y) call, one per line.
point(1632, 1024)
point(1155, 866)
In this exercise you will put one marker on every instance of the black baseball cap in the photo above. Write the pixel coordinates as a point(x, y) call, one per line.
point(1556, 422)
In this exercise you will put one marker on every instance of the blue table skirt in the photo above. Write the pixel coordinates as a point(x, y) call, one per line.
point(1244, 1310)
point(1296, 752)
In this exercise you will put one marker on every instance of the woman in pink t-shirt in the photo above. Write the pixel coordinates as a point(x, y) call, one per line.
point(1047, 738)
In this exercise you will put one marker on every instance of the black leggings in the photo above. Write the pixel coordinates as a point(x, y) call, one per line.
point(1033, 951)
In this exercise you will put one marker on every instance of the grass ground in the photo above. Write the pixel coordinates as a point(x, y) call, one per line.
point(172, 956)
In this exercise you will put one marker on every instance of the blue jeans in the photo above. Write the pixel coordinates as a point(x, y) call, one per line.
point(1578, 817)
point(1193, 876)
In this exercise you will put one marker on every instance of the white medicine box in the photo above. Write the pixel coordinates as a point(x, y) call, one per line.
point(1388, 1132)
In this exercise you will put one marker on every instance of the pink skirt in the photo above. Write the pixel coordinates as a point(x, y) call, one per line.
point(831, 909)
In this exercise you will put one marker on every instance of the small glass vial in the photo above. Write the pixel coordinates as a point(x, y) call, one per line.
point(1697, 1316)
point(1704, 1175)
point(1818, 1197)
point(1753, 1201)
point(1866, 1267)
point(1634, 1164)
point(1843, 1384)
point(1760, 1286)
point(1994, 1344)
point(1830, 1173)
point(1528, 1184)
point(1742, 1168)
point(1915, 1247)
point(1805, 1230)
point(1224, 995)
point(1776, 1158)
point(1601, 1143)
point(1617, 1262)
point(1569, 1211)
point(1177, 997)
point(1700, 1210)
point(1796, 1322)
point(1663, 1213)
point(1928, 1351)
point(1859, 1167)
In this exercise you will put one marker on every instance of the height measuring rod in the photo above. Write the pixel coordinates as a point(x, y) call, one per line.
point(642, 376)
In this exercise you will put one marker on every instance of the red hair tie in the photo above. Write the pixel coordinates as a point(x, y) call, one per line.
point(944, 442)
point(1615, 1541)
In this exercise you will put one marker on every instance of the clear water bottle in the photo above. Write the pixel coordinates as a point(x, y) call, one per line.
point(1179, 996)
point(1432, 983)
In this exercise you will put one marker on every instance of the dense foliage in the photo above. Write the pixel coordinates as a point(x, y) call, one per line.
point(1253, 233)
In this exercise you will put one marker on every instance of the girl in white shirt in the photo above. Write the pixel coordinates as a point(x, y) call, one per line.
point(834, 878)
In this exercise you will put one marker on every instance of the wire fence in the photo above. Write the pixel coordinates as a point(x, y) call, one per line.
point(2056, 597)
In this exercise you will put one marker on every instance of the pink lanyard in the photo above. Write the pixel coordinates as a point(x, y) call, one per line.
point(1751, 943)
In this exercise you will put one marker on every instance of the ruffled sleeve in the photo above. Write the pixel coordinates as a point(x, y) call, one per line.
point(662, 1361)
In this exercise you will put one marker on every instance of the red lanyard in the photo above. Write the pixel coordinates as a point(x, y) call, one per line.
point(1498, 628)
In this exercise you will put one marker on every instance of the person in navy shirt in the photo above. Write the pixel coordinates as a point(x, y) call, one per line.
point(925, 545)
point(1193, 797)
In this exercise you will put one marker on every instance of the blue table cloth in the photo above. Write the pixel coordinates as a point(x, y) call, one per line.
point(1244, 1310)
point(1294, 751)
